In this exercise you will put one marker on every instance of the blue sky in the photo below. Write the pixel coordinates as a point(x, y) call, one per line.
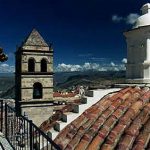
point(82, 31)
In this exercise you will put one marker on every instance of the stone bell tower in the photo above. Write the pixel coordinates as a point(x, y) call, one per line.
point(34, 78)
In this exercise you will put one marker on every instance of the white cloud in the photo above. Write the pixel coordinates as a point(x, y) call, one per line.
point(112, 64)
point(5, 68)
point(70, 67)
point(129, 19)
point(89, 66)
point(116, 18)
point(4, 65)
point(124, 60)
point(67, 67)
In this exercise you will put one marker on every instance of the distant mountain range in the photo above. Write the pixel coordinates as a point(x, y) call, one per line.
point(7, 83)
point(60, 77)
point(7, 74)
point(65, 80)
point(92, 79)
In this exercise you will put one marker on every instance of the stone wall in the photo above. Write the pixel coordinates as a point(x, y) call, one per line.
point(27, 95)
point(29, 80)
point(37, 57)
point(38, 113)
point(27, 87)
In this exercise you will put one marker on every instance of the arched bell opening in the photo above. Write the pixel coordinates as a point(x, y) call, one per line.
point(37, 90)
point(31, 65)
point(43, 65)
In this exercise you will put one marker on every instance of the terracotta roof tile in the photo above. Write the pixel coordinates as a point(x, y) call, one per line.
point(129, 89)
point(138, 147)
point(107, 147)
point(143, 138)
point(115, 134)
point(96, 143)
point(73, 143)
point(79, 122)
point(64, 95)
point(126, 143)
point(120, 121)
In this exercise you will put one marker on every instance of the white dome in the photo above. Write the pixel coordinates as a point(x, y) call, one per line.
point(144, 20)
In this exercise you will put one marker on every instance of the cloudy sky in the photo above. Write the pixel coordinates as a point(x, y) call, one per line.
point(85, 33)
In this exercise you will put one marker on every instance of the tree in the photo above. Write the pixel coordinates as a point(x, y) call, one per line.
point(3, 57)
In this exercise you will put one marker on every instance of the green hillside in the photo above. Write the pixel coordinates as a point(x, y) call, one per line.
point(65, 81)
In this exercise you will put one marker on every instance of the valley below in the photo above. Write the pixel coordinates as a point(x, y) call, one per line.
point(67, 81)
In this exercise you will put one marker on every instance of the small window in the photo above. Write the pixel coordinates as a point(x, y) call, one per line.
point(43, 65)
point(31, 65)
point(37, 90)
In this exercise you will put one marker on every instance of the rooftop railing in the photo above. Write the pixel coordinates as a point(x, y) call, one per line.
point(21, 132)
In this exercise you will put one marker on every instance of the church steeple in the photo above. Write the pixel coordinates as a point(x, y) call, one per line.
point(34, 78)
point(34, 39)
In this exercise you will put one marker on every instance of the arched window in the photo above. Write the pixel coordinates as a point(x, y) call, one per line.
point(43, 65)
point(31, 65)
point(37, 90)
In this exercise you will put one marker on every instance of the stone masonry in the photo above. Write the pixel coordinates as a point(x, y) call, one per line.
point(34, 78)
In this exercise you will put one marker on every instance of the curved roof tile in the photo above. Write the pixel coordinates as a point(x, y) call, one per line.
point(121, 121)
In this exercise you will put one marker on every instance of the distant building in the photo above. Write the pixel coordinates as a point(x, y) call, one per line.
point(138, 49)
point(34, 77)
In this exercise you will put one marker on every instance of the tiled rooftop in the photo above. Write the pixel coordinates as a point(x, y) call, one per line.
point(50, 122)
point(57, 94)
point(118, 121)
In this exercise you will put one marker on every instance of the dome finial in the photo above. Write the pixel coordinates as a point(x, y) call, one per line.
point(145, 8)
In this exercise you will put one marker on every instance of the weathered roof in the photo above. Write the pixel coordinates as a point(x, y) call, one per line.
point(63, 95)
point(34, 39)
point(120, 121)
